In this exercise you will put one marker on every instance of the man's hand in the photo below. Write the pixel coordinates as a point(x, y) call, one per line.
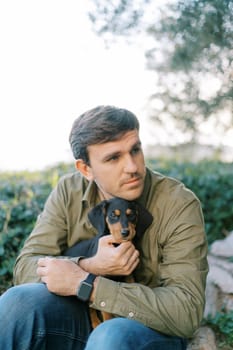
point(62, 276)
point(111, 260)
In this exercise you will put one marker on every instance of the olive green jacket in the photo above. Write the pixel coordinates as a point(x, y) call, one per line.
point(169, 292)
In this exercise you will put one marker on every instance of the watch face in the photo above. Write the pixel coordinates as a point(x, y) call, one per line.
point(84, 291)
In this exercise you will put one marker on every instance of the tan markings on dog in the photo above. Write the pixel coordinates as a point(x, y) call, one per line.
point(117, 212)
point(115, 230)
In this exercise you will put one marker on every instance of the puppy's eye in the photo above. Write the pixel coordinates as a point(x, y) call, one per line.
point(132, 216)
point(113, 215)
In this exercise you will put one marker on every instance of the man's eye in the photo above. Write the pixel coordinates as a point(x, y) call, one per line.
point(136, 150)
point(113, 158)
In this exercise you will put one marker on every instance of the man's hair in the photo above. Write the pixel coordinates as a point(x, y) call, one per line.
point(99, 125)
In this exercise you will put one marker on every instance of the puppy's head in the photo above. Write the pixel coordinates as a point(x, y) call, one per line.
point(116, 216)
point(121, 217)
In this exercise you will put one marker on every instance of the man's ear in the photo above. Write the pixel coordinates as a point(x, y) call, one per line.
point(84, 169)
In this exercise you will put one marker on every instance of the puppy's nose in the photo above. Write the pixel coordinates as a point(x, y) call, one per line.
point(125, 232)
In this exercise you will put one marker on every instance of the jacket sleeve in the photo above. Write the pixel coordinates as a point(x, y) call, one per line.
point(175, 306)
point(48, 237)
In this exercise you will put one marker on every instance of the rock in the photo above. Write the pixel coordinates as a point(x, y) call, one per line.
point(223, 247)
point(219, 286)
point(219, 291)
point(212, 299)
point(203, 339)
point(227, 302)
point(221, 278)
point(223, 263)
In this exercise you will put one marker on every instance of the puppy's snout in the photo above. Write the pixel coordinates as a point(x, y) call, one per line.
point(125, 232)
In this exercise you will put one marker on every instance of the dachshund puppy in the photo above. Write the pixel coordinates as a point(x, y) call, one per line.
point(125, 221)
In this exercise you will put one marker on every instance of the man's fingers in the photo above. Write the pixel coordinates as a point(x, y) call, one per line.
point(42, 266)
point(41, 271)
point(44, 261)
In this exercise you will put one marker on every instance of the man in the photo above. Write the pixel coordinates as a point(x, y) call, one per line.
point(166, 303)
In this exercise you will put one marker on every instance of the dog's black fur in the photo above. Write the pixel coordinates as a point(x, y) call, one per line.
point(103, 216)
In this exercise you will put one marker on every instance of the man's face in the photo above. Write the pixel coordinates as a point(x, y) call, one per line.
point(118, 167)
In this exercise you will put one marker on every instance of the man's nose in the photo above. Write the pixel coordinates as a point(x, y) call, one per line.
point(130, 165)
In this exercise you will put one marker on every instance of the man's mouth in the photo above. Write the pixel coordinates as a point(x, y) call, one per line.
point(133, 180)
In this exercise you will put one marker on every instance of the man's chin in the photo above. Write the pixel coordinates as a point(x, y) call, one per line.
point(132, 195)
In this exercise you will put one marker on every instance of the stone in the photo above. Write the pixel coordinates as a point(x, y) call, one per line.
point(212, 299)
point(203, 339)
point(222, 278)
point(223, 247)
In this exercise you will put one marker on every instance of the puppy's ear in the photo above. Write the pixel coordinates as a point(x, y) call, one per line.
point(145, 219)
point(97, 217)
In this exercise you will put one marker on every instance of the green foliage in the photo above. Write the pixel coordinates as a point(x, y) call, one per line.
point(212, 182)
point(22, 197)
point(21, 201)
point(198, 26)
point(111, 16)
point(197, 43)
point(191, 44)
point(222, 323)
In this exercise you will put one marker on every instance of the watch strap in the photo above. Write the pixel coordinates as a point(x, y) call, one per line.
point(90, 278)
point(85, 288)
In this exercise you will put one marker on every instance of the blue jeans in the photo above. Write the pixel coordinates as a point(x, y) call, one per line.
point(32, 318)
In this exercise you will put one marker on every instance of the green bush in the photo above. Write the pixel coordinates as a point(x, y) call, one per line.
point(21, 202)
point(222, 323)
point(212, 182)
point(22, 197)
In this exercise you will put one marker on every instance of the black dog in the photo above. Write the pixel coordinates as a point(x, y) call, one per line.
point(125, 221)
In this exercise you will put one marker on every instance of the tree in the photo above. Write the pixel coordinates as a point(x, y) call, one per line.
point(191, 53)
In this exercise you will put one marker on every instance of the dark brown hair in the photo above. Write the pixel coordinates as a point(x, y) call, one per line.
point(99, 125)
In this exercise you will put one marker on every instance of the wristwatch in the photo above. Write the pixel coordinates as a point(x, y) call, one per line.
point(85, 288)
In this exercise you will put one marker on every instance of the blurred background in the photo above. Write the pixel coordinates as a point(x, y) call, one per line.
point(170, 62)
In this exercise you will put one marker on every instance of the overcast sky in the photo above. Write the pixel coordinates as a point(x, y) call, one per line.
point(53, 68)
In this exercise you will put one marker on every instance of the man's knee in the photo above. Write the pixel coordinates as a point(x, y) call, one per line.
point(21, 300)
point(111, 334)
point(116, 327)
point(30, 310)
point(125, 334)
point(25, 293)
